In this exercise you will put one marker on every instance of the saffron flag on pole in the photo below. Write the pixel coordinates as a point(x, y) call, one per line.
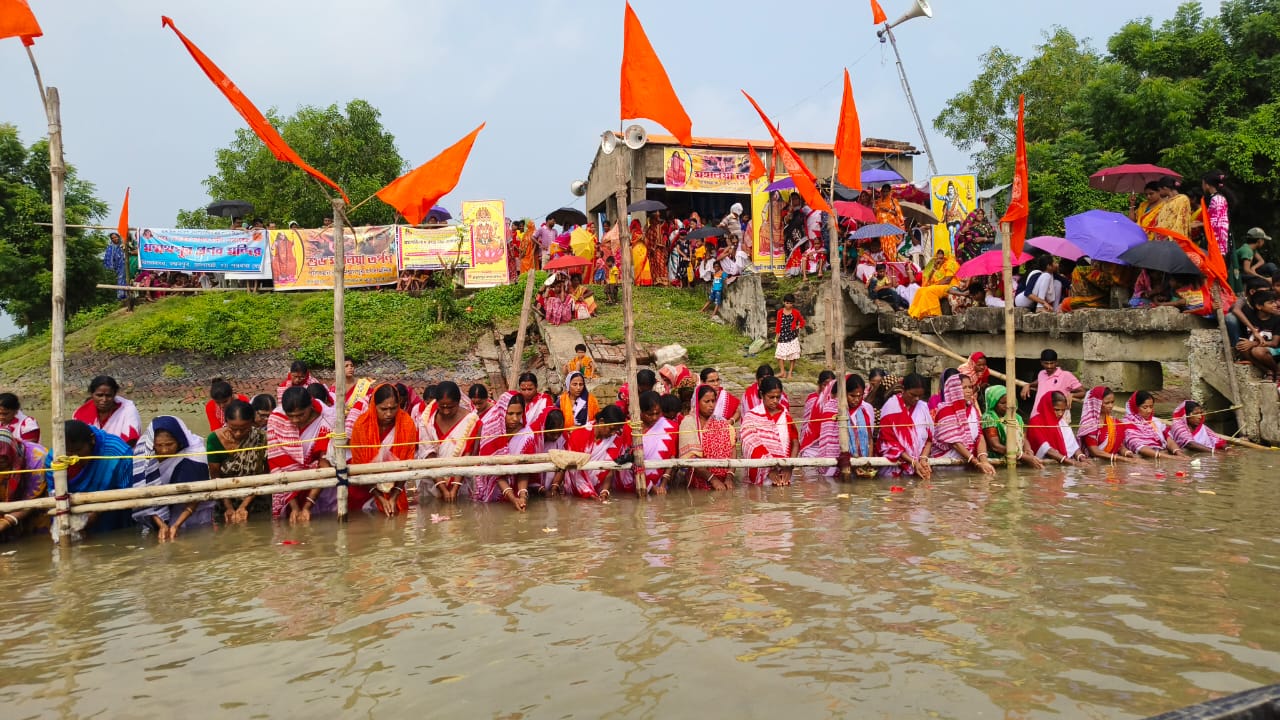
point(877, 14)
point(263, 129)
point(416, 192)
point(122, 227)
point(757, 166)
point(806, 183)
point(1019, 206)
point(849, 140)
point(646, 90)
point(1214, 271)
point(17, 20)
point(1217, 265)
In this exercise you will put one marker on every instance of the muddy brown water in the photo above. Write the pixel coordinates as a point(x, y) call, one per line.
point(1090, 593)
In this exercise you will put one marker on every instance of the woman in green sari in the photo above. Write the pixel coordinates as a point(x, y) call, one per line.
point(995, 432)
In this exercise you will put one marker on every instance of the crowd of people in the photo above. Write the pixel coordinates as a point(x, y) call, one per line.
point(109, 446)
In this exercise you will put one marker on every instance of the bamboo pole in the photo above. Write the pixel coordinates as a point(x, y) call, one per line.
point(58, 331)
point(628, 318)
point(1226, 353)
point(339, 350)
point(525, 311)
point(837, 333)
point(1012, 430)
point(951, 353)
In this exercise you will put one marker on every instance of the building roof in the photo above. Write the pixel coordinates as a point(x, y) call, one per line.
point(768, 145)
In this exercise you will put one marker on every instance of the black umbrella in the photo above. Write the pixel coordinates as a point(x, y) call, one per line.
point(568, 217)
point(707, 232)
point(230, 209)
point(1163, 255)
point(645, 206)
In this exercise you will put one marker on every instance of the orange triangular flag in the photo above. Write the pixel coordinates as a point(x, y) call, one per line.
point(646, 89)
point(757, 167)
point(17, 20)
point(849, 140)
point(416, 192)
point(1019, 205)
point(122, 226)
point(257, 123)
point(799, 172)
point(877, 14)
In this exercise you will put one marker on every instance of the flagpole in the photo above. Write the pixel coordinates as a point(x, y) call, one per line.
point(36, 69)
point(1013, 436)
point(58, 329)
point(339, 352)
point(629, 323)
point(837, 304)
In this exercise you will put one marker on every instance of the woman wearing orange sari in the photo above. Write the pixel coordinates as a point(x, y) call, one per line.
point(889, 211)
point(382, 433)
point(528, 249)
point(640, 256)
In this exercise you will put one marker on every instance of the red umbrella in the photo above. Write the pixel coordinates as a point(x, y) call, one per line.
point(567, 262)
point(1128, 178)
point(988, 263)
point(855, 211)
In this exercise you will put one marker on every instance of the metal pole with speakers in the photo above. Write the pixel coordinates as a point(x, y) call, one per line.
point(635, 138)
point(919, 9)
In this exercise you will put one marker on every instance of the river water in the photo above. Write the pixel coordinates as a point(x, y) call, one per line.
point(1087, 593)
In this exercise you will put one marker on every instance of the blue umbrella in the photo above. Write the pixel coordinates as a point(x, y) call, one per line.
point(1104, 235)
point(876, 230)
point(439, 213)
point(881, 175)
point(783, 184)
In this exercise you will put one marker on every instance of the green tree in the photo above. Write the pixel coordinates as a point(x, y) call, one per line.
point(26, 249)
point(1194, 93)
point(350, 147)
point(199, 218)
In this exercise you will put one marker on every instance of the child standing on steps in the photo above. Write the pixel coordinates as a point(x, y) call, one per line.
point(717, 295)
point(787, 328)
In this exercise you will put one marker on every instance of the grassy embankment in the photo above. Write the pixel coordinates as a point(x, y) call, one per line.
point(434, 330)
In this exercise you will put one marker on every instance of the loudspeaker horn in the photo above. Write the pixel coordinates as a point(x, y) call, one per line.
point(635, 137)
point(919, 9)
point(608, 142)
point(578, 188)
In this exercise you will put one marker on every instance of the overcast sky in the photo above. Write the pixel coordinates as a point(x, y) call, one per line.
point(543, 73)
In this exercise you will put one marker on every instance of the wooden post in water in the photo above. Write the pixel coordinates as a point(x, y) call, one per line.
point(1226, 352)
point(629, 321)
point(1012, 434)
point(837, 331)
point(58, 329)
point(525, 309)
point(339, 351)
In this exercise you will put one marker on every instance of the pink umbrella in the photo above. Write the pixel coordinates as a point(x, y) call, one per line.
point(1059, 247)
point(988, 263)
point(855, 211)
point(1128, 178)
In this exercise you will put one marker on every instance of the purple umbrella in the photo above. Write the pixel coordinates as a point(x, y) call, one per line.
point(988, 263)
point(783, 184)
point(881, 175)
point(1104, 235)
point(1059, 247)
point(439, 213)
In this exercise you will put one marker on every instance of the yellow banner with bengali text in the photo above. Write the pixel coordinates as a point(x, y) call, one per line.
point(434, 248)
point(303, 259)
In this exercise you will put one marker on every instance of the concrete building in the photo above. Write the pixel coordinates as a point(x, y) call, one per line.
point(653, 177)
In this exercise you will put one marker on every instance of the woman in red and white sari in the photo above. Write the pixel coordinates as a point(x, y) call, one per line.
point(383, 433)
point(601, 440)
point(1049, 431)
point(1146, 434)
point(906, 430)
point(447, 432)
point(1189, 431)
point(109, 411)
point(503, 432)
point(659, 444)
point(536, 404)
point(753, 398)
point(767, 432)
point(820, 437)
point(298, 439)
point(706, 434)
point(958, 425)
